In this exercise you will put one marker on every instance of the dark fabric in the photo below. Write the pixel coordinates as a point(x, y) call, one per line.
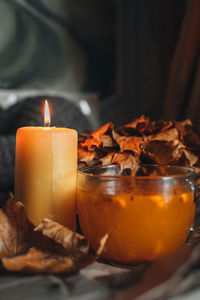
point(183, 91)
point(167, 277)
point(162, 279)
point(30, 113)
point(7, 149)
point(61, 45)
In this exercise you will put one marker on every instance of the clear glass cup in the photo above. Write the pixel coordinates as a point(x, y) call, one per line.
point(146, 216)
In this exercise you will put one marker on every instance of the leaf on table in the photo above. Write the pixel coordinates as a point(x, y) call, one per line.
point(15, 228)
point(49, 248)
point(70, 240)
point(38, 261)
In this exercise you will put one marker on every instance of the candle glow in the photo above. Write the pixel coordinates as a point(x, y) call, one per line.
point(47, 117)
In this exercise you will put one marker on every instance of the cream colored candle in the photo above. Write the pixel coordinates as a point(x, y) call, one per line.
point(45, 173)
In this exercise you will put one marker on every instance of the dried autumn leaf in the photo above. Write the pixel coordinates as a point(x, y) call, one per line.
point(185, 123)
point(139, 120)
point(166, 125)
point(52, 248)
point(86, 156)
point(115, 135)
point(107, 141)
point(170, 135)
point(135, 128)
point(147, 158)
point(161, 142)
point(158, 126)
point(188, 136)
point(188, 158)
point(69, 239)
point(162, 152)
point(38, 261)
point(106, 160)
point(126, 161)
point(130, 144)
point(15, 228)
point(75, 245)
point(96, 137)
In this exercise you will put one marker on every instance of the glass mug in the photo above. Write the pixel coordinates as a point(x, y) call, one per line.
point(146, 216)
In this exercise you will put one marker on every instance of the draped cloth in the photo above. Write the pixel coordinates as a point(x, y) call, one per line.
point(183, 90)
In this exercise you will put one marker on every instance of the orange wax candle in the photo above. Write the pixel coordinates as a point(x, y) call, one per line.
point(45, 173)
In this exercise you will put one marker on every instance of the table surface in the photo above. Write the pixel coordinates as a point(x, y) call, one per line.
point(98, 281)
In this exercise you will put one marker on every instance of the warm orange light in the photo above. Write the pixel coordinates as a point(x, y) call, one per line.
point(47, 117)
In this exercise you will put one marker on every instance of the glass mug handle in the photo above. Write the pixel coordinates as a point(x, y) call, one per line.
point(194, 233)
point(197, 194)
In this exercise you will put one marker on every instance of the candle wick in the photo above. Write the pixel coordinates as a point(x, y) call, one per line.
point(47, 123)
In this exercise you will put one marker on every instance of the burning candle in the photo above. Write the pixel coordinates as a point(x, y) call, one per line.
point(45, 172)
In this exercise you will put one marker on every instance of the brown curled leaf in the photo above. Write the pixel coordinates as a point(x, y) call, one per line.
point(170, 135)
point(107, 142)
point(161, 142)
point(188, 158)
point(155, 127)
point(106, 160)
point(15, 228)
point(46, 262)
point(188, 135)
point(96, 137)
point(135, 128)
point(130, 144)
point(136, 122)
point(69, 239)
point(126, 161)
point(162, 152)
point(38, 261)
point(86, 155)
point(51, 248)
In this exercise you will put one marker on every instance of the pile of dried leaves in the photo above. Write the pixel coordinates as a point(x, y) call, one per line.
point(49, 248)
point(141, 142)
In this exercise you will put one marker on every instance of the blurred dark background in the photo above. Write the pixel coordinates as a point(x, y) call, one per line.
point(95, 61)
point(124, 52)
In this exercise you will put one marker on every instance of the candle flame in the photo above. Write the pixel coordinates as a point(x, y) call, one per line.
point(47, 117)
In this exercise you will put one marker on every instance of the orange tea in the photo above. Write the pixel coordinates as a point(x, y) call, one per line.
point(145, 219)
